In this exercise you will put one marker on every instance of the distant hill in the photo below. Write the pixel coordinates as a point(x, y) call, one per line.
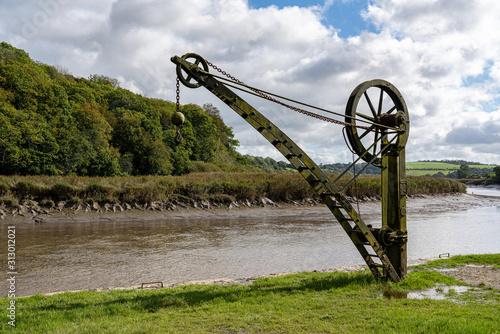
point(446, 168)
point(53, 123)
point(449, 168)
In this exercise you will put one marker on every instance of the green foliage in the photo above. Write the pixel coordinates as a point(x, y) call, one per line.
point(497, 173)
point(205, 134)
point(104, 80)
point(211, 184)
point(28, 190)
point(63, 191)
point(52, 123)
point(204, 167)
point(4, 188)
point(268, 165)
point(463, 172)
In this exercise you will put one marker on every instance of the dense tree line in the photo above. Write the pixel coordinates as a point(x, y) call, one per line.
point(53, 123)
point(467, 172)
point(339, 168)
point(454, 162)
point(270, 165)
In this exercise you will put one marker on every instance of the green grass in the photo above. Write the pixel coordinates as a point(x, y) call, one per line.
point(429, 168)
point(334, 302)
point(462, 260)
point(431, 165)
point(215, 186)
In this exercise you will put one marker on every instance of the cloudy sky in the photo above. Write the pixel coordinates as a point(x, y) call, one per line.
point(442, 55)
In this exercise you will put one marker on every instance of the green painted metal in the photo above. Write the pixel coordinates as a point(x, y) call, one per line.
point(393, 233)
point(376, 255)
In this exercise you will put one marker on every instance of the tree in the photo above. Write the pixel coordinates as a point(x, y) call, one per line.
point(497, 173)
point(150, 155)
point(205, 133)
point(104, 80)
point(464, 172)
point(180, 161)
point(54, 123)
point(27, 144)
point(101, 159)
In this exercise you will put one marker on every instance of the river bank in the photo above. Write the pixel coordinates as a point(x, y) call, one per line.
point(39, 196)
point(264, 207)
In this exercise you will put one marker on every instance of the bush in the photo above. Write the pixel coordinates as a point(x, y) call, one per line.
point(99, 192)
point(204, 167)
point(4, 189)
point(28, 190)
point(63, 191)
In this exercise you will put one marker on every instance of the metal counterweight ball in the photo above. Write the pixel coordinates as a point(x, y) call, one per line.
point(178, 118)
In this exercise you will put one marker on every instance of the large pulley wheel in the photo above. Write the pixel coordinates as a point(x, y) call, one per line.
point(376, 104)
point(186, 79)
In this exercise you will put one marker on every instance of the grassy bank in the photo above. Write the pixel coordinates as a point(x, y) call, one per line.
point(217, 187)
point(335, 302)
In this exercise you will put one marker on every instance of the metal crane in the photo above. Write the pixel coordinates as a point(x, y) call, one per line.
point(376, 133)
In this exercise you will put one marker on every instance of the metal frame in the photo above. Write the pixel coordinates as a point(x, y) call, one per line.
point(383, 250)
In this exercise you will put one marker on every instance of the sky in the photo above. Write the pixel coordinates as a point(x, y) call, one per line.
point(442, 55)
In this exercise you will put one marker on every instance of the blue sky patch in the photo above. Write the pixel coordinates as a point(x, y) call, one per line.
point(342, 15)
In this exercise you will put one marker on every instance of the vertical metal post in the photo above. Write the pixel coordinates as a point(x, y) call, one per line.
point(394, 188)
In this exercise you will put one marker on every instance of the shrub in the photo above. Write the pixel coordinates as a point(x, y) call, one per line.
point(28, 190)
point(99, 192)
point(204, 167)
point(4, 189)
point(63, 191)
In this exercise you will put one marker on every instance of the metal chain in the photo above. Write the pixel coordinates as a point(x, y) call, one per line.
point(178, 138)
point(299, 110)
point(178, 95)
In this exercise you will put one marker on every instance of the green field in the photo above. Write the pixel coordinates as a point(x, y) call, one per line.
point(430, 168)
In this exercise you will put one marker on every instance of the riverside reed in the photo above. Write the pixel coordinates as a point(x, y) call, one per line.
point(336, 302)
point(218, 187)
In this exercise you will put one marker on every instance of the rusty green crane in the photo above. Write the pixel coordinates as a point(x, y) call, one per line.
point(376, 133)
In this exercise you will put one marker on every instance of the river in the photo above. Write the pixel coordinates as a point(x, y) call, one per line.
point(66, 256)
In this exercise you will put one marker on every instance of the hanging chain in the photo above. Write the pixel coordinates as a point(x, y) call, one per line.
point(178, 138)
point(299, 110)
point(178, 95)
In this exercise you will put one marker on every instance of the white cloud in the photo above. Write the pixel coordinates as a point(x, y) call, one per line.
point(427, 49)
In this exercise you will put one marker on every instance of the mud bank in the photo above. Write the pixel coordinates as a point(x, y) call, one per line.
point(31, 212)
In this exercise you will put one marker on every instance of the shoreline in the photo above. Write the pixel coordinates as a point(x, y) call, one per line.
point(230, 281)
point(205, 210)
point(471, 274)
point(416, 205)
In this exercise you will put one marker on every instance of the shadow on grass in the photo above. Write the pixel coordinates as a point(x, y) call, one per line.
point(189, 296)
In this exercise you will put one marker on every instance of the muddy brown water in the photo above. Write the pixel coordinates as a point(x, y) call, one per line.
point(64, 256)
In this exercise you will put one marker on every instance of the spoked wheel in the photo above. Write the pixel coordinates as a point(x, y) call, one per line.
point(380, 106)
point(186, 79)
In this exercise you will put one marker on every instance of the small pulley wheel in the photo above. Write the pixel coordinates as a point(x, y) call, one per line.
point(380, 106)
point(187, 78)
point(384, 236)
